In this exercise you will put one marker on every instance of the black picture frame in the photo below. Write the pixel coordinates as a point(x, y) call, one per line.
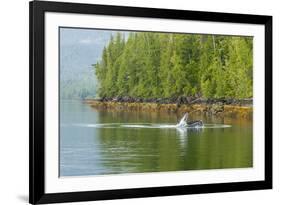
point(37, 193)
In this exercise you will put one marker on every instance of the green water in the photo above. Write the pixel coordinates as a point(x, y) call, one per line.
point(95, 142)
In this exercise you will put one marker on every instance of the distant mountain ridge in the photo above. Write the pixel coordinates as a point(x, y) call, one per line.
point(79, 49)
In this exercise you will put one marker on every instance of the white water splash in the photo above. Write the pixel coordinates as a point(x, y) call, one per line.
point(183, 120)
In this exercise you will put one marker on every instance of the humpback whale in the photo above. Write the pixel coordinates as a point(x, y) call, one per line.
point(185, 123)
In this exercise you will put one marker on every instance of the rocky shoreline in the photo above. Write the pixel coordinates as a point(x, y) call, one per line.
point(218, 107)
point(178, 100)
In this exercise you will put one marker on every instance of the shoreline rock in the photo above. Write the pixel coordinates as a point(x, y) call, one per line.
point(178, 100)
point(221, 108)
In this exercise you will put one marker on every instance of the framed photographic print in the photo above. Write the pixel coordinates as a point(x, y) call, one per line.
point(140, 102)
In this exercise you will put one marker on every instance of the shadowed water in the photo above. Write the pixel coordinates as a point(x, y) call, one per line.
point(97, 142)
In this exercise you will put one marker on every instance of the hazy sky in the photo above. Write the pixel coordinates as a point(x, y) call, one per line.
point(80, 48)
point(83, 36)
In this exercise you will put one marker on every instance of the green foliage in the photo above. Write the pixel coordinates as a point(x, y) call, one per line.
point(156, 65)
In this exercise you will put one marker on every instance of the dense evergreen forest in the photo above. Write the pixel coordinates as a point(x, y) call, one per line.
point(165, 65)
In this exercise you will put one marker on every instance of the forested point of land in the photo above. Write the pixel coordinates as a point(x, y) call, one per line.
point(165, 65)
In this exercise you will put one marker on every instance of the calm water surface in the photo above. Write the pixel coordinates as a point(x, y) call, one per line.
point(97, 142)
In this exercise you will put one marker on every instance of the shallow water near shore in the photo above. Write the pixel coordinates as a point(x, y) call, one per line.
point(99, 141)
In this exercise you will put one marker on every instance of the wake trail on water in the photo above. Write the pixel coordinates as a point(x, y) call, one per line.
point(183, 124)
point(144, 125)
